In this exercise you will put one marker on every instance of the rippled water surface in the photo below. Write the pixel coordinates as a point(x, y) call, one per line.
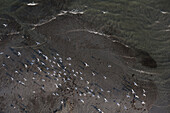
point(88, 56)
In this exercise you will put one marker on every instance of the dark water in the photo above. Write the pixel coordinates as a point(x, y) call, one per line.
point(141, 24)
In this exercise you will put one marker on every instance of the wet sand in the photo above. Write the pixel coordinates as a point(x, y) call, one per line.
point(64, 67)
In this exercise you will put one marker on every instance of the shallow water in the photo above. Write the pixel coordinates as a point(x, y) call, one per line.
point(142, 26)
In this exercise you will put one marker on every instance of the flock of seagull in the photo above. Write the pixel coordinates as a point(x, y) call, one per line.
point(60, 70)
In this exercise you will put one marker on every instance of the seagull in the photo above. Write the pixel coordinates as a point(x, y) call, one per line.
point(84, 94)
point(54, 58)
point(91, 90)
point(135, 84)
point(62, 102)
point(59, 75)
point(42, 87)
point(57, 94)
point(104, 12)
point(108, 91)
point(64, 79)
point(127, 96)
point(12, 78)
point(16, 71)
point(1, 53)
point(109, 66)
point(54, 62)
point(19, 54)
point(72, 70)
point(53, 93)
point(25, 65)
point(99, 110)
point(38, 59)
point(5, 25)
point(57, 54)
point(68, 78)
point(101, 89)
point(49, 60)
point(80, 94)
point(143, 102)
point(163, 12)
point(81, 78)
point(69, 58)
point(39, 69)
point(118, 104)
point(93, 74)
point(125, 107)
point(69, 64)
point(37, 43)
point(58, 65)
point(86, 64)
point(133, 92)
point(3, 65)
point(45, 57)
point(8, 56)
point(39, 52)
point(25, 79)
point(74, 75)
point(82, 100)
point(105, 100)
point(60, 58)
point(32, 4)
point(136, 96)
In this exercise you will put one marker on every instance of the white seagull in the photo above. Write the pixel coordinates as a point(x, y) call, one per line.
point(86, 64)
point(32, 4)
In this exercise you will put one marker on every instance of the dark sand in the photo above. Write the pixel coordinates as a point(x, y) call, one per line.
point(55, 88)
